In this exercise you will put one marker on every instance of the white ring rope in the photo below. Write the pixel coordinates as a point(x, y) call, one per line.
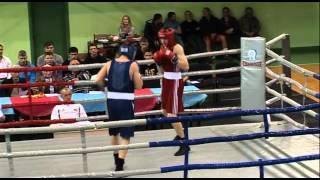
point(289, 64)
point(290, 101)
point(276, 39)
point(291, 81)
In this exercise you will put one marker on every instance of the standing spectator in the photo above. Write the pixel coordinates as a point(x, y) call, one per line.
point(5, 62)
point(149, 70)
point(49, 48)
point(249, 23)
point(210, 28)
point(126, 28)
point(171, 22)
point(151, 30)
point(230, 28)
point(23, 62)
point(191, 34)
point(93, 57)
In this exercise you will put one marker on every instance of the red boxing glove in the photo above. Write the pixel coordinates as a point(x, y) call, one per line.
point(157, 56)
point(171, 56)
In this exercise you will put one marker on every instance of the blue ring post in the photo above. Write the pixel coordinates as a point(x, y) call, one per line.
point(186, 155)
point(261, 169)
point(266, 125)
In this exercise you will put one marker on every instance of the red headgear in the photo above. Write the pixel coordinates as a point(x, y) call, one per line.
point(169, 34)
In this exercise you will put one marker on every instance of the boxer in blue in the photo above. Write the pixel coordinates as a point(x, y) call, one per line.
point(123, 77)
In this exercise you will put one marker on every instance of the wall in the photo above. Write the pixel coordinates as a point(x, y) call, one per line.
point(14, 31)
point(300, 20)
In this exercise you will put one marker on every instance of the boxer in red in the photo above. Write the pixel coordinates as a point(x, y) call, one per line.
point(172, 62)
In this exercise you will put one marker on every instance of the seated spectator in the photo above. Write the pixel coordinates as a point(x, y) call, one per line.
point(73, 54)
point(67, 111)
point(143, 46)
point(210, 28)
point(49, 60)
point(171, 22)
point(249, 24)
point(76, 76)
point(230, 28)
point(47, 76)
point(149, 70)
point(191, 34)
point(151, 30)
point(2, 116)
point(49, 48)
point(14, 79)
point(5, 62)
point(23, 62)
point(126, 28)
point(93, 57)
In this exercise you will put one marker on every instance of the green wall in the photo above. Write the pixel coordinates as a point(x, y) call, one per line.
point(300, 20)
point(14, 29)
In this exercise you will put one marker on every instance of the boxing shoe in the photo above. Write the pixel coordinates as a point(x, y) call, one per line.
point(182, 148)
point(119, 165)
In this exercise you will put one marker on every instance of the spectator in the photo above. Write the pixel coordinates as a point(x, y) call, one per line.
point(68, 111)
point(23, 62)
point(5, 62)
point(76, 76)
point(171, 22)
point(191, 34)
point(2, 117)
point(151, 30)
point(14, 79)
point(49, 60)
point(49, 48)
point(249, 24)
point(210, 28)
point(149, 70)
point(230, 28)
point(47, 76)
point(126, 28)
point(73, 54)
point(142, 48)
point(93, 57)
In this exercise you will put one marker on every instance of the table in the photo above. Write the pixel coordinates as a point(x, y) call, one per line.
point(95, 106)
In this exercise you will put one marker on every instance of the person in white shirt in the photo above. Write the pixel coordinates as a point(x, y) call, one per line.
point(2, 117)
point(5, 62)
point(68, 111)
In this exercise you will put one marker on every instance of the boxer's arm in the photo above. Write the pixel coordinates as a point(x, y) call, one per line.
point(183, 63)
point(136, 76)
point(102, 74)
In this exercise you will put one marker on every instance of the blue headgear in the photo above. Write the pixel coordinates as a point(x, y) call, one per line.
point(128, 50)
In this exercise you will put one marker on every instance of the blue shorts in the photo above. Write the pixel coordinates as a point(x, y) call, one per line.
point(121, 110)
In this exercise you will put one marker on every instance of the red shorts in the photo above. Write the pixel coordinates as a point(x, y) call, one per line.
point(171, 95)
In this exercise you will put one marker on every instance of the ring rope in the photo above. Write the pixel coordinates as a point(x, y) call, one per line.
point(150, 121)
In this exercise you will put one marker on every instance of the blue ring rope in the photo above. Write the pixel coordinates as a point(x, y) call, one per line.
point(239, 164)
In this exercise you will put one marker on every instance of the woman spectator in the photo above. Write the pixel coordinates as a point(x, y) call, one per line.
point(126, 28)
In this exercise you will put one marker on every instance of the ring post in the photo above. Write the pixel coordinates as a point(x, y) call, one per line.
point(253, 92)
point(261, 169)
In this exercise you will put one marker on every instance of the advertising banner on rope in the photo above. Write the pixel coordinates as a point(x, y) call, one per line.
point(253, 94)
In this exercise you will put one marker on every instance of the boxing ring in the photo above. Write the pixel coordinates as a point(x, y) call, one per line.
point(263, 149)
